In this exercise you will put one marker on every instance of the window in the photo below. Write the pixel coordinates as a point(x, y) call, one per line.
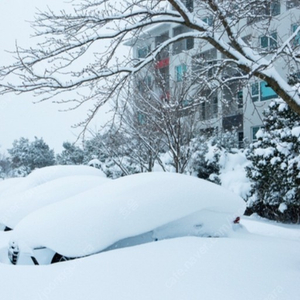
point(214, 106)
point(141, 118)
point(180, 71)
point(203, 110)
point(205, 62)
point(294, 78)
point(209, 108)
point(269, 42)
point(241, 139)
point(144, 84)
point(239, 99)
point(254, 92)
point(189, 43)
point(143, 52)
point(208, 20)
point(189, 4)
point(159, 40)
point(264, 10)
point(247, 39)
point(255, 129)
point(162, 78)
point(292, 3)
point(273, 8)
point(296, 40)
point(266, 92)
point(184, 44)
point(262, 92)
point(187, 102)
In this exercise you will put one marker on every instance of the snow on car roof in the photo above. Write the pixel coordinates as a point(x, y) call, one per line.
point(40, 176)
point(21, 204)
point(7, 184)
point(125, 207)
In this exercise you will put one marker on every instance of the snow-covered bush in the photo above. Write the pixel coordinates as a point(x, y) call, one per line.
point(275, 169)
point(25, 156)
point(226, 140)
point(204, 161)
point(5, 166)
point(71, 155)
point(114, 154)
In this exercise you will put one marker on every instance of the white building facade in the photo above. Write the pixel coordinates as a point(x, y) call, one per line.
point(238, 104)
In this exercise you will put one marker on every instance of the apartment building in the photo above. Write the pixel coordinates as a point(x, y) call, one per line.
point(238, 104)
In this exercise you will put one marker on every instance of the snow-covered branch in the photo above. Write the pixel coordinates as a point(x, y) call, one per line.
point(83, 49)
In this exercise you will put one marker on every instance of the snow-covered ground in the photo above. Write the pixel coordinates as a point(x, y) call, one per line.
point(258, 262)
point(264, 266)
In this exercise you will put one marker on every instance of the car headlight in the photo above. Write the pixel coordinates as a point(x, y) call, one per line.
point(13, 252)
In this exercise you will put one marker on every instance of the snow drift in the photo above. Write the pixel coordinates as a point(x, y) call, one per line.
point(125, 207)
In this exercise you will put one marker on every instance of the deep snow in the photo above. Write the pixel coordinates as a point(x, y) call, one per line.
point(15, 207)
point(260, 262)
point(126, 207)
point(43, 175)
point(247, 266)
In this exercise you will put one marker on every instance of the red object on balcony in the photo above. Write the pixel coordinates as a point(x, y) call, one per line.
point(162, 63)
point(165, 96)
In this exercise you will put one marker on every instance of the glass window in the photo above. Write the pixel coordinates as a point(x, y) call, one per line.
point(144, 84)
point(239, 98)
point(141, 118)
point(266, 92)
point(264, 10)
point(296, 40)
point(209, 108)
point(180, 71)
point(163, 78)
point(203, 110)
point(255, 92)
point(274, 8)
point(247, 39)
point(273, 40)
point(187, 102)
point(189, 43)
point(254, 132)
point(264, 42)
point(179, 45)
point(214, 106)
point(292, 3)
point(269, 42)
point(159, 40)
point(184, 44)
point(208, 20)
point(204, 60)
point(143, 52)
point(189, 4)
point(241, 139)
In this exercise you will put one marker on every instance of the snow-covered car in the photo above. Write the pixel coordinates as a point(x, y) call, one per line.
point(7, 184)
point(13, 186)
point(20, 205)
point(22, 196)
point(124, 212)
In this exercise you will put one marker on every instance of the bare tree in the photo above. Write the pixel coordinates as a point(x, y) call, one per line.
point(67, 56)
point(161, 119)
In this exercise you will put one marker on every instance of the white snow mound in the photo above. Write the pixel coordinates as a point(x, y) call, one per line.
point(21, 204)
point(40, 176)
point(125, 207)
point(7, 184)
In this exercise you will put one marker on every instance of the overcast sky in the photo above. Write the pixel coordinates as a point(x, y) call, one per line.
point(19, 117)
